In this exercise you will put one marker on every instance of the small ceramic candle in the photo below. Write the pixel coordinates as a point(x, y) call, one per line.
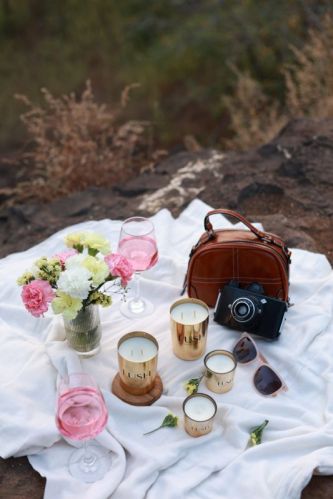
point(220, 369)
point(189, 322)
point(137, 358)
point(199, 411)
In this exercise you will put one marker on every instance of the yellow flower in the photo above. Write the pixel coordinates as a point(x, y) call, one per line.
point(25, 278)
point(75, 239)
point(66, 305)
point(96, 242)
point(98, 269)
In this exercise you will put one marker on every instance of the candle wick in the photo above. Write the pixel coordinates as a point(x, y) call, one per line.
point(182, 315)
point(195, 314)
point(141, 352)
point(132, 353)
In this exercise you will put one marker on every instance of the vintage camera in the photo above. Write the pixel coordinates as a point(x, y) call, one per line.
point(248, 309)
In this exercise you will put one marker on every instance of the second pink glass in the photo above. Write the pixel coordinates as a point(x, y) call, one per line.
point(137, 243)
point(82, 415)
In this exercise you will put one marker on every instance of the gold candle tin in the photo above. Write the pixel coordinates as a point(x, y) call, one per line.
point(189, 340)
point(219, 382)
point(137, 377)
point(198, 427)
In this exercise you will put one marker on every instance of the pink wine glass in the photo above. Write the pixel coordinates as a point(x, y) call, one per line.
point(137, 243)
point(82, 415)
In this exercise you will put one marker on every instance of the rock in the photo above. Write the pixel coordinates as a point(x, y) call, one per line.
point(286, 184)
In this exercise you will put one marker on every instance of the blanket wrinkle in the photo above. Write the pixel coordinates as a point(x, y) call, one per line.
point(169, 463)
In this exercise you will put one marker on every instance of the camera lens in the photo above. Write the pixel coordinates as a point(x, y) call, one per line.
point(242, 309)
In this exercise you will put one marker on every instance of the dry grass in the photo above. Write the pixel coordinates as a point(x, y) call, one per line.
point(256, 119)
point(309, 81)
point(78, 143)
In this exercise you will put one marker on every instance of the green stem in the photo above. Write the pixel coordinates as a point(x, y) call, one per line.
point(152, 431)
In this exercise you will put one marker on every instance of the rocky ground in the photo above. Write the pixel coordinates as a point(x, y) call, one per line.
point(286, 184)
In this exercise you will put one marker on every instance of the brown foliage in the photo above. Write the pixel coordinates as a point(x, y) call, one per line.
point(77, 143)
point(255, 118)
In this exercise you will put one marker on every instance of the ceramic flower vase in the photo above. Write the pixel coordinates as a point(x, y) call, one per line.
point(84, 332)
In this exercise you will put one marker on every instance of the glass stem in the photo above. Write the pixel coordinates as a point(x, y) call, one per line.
point(136, 285)
point(88, 458)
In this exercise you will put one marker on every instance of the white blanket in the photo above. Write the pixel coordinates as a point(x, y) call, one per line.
point(170, 464)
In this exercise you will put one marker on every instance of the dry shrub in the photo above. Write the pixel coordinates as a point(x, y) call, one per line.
point(77, 143)
point(309, 80)
point(256, 119)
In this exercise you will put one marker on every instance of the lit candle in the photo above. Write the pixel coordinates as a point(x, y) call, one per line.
point(137, 349)
point(189, 313)
point(220, 363)
point(199, 408)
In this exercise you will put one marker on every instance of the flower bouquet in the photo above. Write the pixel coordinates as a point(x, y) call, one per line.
point(73, 282)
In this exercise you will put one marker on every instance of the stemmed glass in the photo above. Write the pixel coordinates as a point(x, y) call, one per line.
point(137, 243)
point(81, 415)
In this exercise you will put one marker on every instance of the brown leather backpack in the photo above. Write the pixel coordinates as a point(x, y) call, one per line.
point(246, 256)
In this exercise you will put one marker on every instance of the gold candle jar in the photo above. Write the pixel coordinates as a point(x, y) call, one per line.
point(199, 412)
point(220, 370)
point(137, 359)
point(189, 325)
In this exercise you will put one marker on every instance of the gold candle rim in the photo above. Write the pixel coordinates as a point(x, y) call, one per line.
point(138, 334)
point(199, 394)
point(189, 300)
point(227, 353)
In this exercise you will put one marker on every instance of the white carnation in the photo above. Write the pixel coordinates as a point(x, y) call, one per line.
point(75, 281)
point(74, 260)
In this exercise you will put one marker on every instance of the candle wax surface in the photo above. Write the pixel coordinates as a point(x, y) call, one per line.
point(137, 349)
point(220, 363)
point(189, 313)
point(199, 408)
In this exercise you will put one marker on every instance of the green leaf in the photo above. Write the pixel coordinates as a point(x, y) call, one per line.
point(170, 421)
point(192, 385)
point(257, 432)
point(92, 251)
point(78, 247)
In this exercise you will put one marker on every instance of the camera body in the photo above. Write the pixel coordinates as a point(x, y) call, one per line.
point(248, 309)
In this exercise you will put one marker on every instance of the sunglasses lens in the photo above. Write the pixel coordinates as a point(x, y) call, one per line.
point(245, 350)
point(266, 381)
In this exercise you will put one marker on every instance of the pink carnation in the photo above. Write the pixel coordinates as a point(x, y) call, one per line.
point(36, 296)
point(119, 266)
point(62, 257)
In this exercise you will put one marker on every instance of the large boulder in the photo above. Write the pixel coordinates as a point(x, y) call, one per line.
point(286, 184)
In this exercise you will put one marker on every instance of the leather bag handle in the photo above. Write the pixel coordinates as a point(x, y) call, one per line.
point(240, 218)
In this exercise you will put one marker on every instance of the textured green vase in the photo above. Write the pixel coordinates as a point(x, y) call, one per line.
point(84, 332)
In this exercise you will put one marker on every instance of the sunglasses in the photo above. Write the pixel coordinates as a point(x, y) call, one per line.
point(265, 379)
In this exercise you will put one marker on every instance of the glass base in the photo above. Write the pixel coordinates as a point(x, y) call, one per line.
point(86, 354)
point(136, 308)
point(91, 469)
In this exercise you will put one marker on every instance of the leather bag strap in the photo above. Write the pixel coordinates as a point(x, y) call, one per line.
point(233, 214)
point(263, 236)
